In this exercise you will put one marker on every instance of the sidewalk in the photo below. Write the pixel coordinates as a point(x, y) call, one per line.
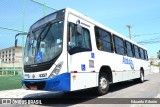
point(20, 93)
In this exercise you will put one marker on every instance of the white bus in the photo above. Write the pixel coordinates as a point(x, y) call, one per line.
point(67, 51)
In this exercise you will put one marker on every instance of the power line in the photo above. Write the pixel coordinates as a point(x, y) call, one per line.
point(148, 43)
point(154, 39)
point(146, 34)
point(151, 41)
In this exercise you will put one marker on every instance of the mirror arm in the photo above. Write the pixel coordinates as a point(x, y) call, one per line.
point(16, 40)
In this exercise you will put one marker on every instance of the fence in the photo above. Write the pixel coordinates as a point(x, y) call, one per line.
point(17, 16)
point(11, 71)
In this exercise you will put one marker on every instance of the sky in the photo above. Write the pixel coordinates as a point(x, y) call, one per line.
point(142, 15)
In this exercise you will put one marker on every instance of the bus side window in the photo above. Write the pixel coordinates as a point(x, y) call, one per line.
point(136, 52)
point(139, 53)
point(103, 40)
point(146, 55)
point(119, 45)
point(78, 42)
point(133, 50)
point(129, 50)
point(142, 53)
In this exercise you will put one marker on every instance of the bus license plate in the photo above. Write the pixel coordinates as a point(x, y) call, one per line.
point(33, 87)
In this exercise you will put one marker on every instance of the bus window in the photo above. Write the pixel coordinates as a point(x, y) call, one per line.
point(103, 40)
point(146, 55)
point(142, 53)
point(78, 42)
point(129, 50)
point(119, 45)
point(136, 52)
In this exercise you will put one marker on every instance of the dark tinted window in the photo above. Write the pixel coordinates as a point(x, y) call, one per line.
point(136, 52)
point(146, 55)
point(129, 50)
point(142, 53)
point(103, 40)
point(119, 45)
point(78, 42)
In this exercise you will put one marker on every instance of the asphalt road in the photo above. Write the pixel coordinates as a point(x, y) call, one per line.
point(129, 89)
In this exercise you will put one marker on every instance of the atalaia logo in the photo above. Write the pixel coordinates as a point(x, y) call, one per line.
point(129, 61)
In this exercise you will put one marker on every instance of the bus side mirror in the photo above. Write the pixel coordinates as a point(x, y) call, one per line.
point(16, 42)
point(79, 29)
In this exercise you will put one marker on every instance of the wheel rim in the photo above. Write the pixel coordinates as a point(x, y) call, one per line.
point(103, 83)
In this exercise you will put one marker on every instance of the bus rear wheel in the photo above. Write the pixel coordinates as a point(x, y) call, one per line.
point(103, 84)
point(141, 79)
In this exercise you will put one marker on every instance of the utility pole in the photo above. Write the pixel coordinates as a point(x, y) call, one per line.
point(129, 29)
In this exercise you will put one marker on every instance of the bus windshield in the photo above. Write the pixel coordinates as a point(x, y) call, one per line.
point(44, 44)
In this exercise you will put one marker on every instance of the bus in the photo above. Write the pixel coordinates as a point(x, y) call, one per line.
point(68, 51)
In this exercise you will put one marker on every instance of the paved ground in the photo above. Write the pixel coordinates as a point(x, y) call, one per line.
point(130, 89)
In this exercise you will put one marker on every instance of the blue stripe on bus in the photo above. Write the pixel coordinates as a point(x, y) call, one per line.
point(58, 83)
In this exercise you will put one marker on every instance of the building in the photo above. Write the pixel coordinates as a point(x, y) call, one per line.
point(11, 59)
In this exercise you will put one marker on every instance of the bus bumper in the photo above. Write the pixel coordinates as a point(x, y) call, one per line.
point(58, 83)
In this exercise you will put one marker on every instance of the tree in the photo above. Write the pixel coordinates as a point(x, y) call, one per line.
point(158, 54)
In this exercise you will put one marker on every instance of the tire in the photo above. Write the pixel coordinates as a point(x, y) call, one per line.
point(103, 84)
point(141, 79)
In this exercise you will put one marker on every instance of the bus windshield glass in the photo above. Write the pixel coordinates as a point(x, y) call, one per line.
point(44, 44)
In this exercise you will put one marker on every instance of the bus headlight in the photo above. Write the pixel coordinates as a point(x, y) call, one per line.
point(56, 70)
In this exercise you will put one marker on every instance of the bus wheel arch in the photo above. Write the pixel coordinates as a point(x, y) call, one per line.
point(105, 76)
point(107, 70)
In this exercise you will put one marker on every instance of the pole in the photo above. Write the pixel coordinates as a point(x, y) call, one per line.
point(14, 69)
point(129, 30)
point(23, 17)
point(2, 67)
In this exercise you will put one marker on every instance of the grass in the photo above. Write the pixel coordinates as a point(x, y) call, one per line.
point(10, 82)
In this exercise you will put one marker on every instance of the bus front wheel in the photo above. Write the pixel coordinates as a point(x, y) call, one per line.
point(103, 84)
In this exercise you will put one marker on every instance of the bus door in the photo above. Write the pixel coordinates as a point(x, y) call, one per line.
point(80, 54)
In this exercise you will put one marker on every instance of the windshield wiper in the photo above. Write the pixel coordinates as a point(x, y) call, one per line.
point(46, 32)
point(39, 39)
